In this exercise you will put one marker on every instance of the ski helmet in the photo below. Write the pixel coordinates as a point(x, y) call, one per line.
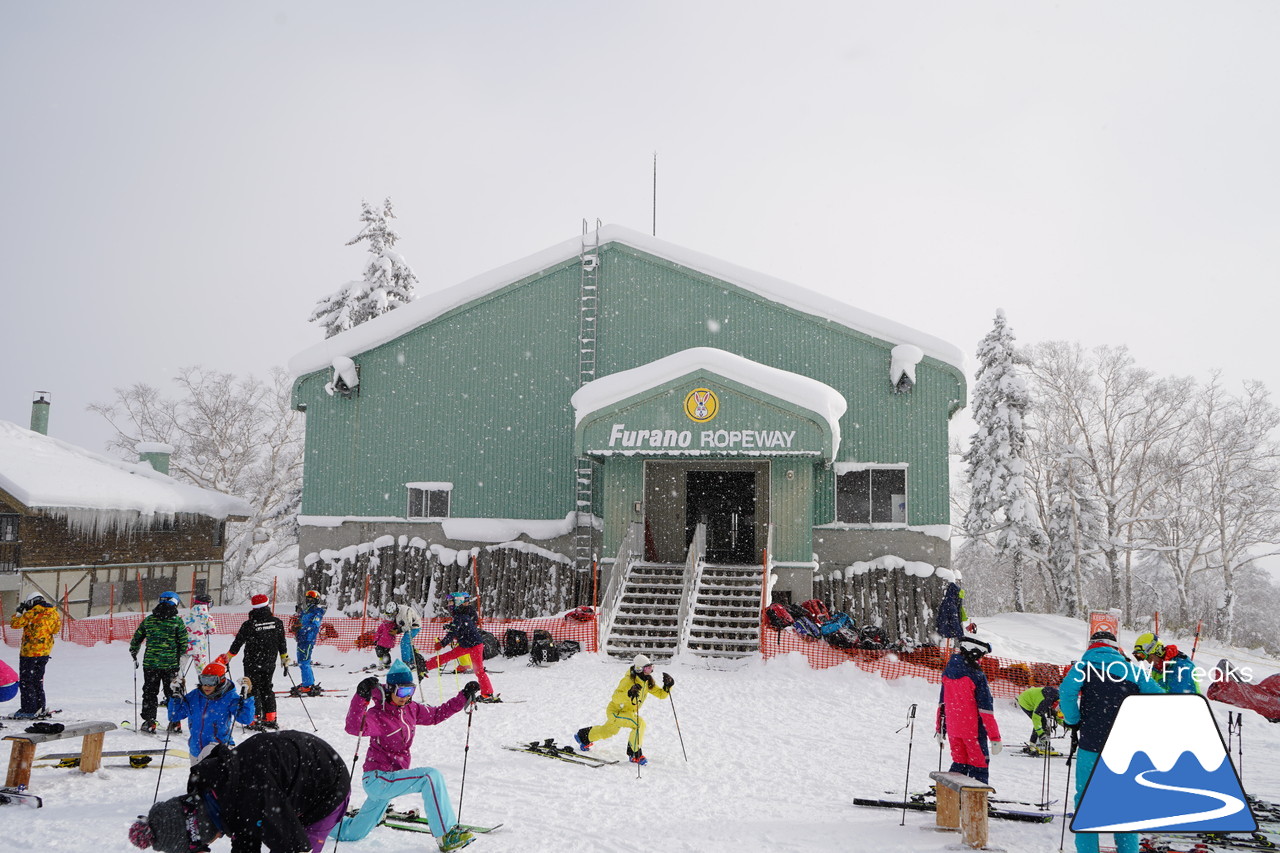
point(171, 596)
point(389, 609)
point(202, 598)
point(640, 662)
point(311, 593)
point(1147, 645)
point(213, 669)
point(972, 648)
point(458, 599)
point(34, 599)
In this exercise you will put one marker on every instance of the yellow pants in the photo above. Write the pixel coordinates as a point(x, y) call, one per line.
point(617, 719)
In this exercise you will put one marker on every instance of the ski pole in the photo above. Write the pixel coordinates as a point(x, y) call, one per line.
point(911, 736)
point(1196, 641)
point(168, 733)
point(1240, 743)
point(300, 699)
point(337, 836)
point(678, 732)
point(135, 693)
point(1071, 754)
point(466, 750)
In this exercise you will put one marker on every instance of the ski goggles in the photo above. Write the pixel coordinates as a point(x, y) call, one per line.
point(404, 691)
point(210, 680)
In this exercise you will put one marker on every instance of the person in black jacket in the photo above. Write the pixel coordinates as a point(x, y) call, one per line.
point(464, 630)
point(263, 636)
point(285, 790)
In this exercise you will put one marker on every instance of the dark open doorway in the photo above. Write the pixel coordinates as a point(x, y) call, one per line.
point(726, 502)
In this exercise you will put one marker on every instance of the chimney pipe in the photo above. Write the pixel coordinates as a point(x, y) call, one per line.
point(40, 412)
point(155, 453)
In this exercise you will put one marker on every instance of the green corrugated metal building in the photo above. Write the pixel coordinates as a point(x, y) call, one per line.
point(618, 379)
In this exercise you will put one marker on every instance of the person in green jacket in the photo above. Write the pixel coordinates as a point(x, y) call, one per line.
point(166, 639)
point(1041, 705)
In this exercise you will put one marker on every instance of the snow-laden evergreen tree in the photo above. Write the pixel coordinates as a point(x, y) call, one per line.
point(388, 281)
point(999, 502)
point(1074, 534)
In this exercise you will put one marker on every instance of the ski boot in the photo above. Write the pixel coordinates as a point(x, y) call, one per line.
point(455, 839)
point(24, 715)
point(583, 738)
point(175, 727)
point(148, 726)
point(491, 698)
point(636, 756)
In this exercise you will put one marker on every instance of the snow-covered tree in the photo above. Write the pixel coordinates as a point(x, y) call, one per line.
point(999, 502)
point(238, 436)
point(387, 284)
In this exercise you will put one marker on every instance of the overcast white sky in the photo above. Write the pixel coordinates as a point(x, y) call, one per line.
point(177, 181)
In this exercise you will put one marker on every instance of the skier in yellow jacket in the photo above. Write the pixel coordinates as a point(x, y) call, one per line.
point(40, 622)
point(624, 709)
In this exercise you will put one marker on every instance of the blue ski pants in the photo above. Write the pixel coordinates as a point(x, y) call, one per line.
point(304, 663)
point(382, 786)
point(406, 648)
point(1087, 842)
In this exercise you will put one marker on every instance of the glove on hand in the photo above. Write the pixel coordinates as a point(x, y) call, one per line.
point(365, 688)
point(177, 685)
point(284, 659)
point(940, 737)
point(471, 690)
point(996, 746)
point(247, 683)
point(667, 681)
point(634, 692)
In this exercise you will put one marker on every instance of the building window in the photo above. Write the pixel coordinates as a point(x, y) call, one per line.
point(9, 543)
point(871, 496)
point(429, 500)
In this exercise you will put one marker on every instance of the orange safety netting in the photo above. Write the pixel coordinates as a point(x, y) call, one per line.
point(339, 632)
point(1007, 677)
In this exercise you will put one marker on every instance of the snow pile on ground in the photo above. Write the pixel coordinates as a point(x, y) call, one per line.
point(776, 751)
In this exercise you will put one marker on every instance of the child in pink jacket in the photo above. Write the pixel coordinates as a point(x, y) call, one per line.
point(384, 639)
point(390, 724)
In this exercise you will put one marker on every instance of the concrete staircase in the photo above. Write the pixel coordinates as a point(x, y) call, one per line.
point(725, 613)
point(723, 610)
point(648, 616)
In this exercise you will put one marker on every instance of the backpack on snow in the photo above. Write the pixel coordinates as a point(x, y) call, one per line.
point(872, 637)
point(843, 638)
point(839, 621)
point(568, 649)
point(584, 613)
point(515, 643)
point(817, 610)
point(492, 648)
point(806, 627)
point(543, 649)
point(778, 617)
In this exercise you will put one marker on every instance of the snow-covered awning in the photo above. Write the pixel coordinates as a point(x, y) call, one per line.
point(394, 324)
point(648, 409)
point(97, 492)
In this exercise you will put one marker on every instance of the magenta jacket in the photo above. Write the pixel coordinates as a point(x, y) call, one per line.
point(390, 728)
point(384, 636)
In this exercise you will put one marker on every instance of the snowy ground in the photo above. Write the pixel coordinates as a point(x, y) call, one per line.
point(776, 751)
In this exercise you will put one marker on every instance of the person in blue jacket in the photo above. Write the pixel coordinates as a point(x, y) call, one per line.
point(1089, 698)
point(211, 707)
point(307, 632)
point(465, 632)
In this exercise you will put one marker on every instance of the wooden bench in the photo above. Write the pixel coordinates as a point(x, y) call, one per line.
point(962, 804)
point(23, 751)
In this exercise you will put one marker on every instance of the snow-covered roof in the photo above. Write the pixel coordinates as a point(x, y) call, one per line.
point(817, 397)
point(394, 324)
point(48, 474)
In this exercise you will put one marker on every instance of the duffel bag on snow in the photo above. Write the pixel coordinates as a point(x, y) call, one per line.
point(817, 610)
point(542, 649)
point(492, 648)
point(778, 616)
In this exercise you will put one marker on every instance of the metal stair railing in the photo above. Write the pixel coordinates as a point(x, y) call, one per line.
point(617, 583)
point(694, 560)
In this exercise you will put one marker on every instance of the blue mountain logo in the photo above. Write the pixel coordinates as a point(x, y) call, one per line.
point(1164, 767)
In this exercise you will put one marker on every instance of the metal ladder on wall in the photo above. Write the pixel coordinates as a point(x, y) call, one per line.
point(588, 313)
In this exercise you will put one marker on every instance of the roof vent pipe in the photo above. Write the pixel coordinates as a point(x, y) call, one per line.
point(40, 412)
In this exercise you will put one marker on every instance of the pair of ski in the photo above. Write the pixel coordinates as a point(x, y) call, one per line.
point(337, 693)
point(1205, 843)
point(19, 797)
point(412, 821)
point(43, 715)
point(931, 794)
point(992, 811)
point(548, 749)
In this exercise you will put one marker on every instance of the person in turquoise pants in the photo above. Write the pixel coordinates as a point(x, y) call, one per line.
point(1090, 696)
point(390, 725)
